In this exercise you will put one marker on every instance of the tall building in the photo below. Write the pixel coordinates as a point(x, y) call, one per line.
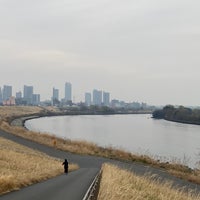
point(1, 96)
point(55, 97)
point(55, 94)
point(18, 95)
point(106, 98)
point(35, 99)
point(7, 92)
point(19, 100)
point(68, 91)
point(28, 94)
point(97, 97)
point(88, 98)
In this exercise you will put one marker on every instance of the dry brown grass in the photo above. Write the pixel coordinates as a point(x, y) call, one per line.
point(10, 111)
point(21, 166)
point(124, 185)
point(83, 147)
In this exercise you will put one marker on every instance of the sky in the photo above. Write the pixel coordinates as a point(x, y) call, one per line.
point(146, 51)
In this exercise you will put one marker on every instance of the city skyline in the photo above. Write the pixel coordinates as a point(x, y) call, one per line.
point(56, 91)
point(6, 91)
point(146, 51)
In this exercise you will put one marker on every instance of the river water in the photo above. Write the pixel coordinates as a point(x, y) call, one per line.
point(140, 134)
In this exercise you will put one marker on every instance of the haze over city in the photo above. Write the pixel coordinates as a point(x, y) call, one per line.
point(144, 51)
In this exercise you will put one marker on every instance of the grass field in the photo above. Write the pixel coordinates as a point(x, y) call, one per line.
point(124, 185)
point(21, 166)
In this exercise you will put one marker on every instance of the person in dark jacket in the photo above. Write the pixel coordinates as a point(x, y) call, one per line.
point(65, 163)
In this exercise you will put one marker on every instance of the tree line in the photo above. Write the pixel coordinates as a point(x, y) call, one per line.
point(180, 114)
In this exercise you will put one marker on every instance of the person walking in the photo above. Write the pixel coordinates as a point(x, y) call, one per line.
point(65, 163)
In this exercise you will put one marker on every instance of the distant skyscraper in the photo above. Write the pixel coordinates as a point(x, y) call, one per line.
point(68, 91)
point(7, 92)
point(55, 94)
point(1, 96)
point(18, 95)
point(35, 99)
point(106, 98)
point(19, 99)
point(97, 97)
point(55, 97)
point(28, 94)
point(88, 98)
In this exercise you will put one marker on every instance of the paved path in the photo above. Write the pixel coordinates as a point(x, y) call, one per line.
point(74, 185)
point(71, 186)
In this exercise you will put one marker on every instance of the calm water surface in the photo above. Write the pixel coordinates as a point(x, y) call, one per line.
point(135, 133)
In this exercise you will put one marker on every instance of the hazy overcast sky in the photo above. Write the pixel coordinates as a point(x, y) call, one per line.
point(137, 50)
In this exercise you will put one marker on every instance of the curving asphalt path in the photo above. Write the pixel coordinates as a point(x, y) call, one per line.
point(71, 186)
point(75, 185)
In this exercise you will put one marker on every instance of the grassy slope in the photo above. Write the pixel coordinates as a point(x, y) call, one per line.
point(124, 185)
point(21, 166)
point(8, 111)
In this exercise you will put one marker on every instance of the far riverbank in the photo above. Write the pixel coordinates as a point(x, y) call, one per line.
point(20, 120)
point(180, 115)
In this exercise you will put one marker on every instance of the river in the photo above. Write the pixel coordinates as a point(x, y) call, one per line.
point(139, 133)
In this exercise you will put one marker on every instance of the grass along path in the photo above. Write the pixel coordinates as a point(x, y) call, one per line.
point(87, 148)
point(124, 185)
point(21, 166)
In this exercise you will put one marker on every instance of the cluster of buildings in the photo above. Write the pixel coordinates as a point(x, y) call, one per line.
point(96, 98)
point(28, 97)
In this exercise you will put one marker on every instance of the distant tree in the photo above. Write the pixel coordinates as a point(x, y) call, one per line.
point(83, 107)
point(168, 111)
point(106, 109)
point(158, 114)
point(180, 114)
